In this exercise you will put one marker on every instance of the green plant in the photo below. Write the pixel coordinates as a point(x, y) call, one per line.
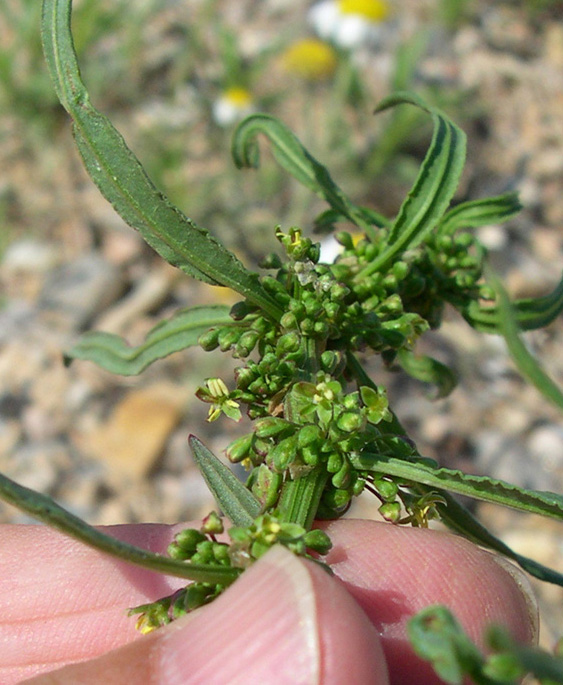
point(322, 431)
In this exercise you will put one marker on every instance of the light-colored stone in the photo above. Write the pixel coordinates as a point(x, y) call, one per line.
point(132, 438)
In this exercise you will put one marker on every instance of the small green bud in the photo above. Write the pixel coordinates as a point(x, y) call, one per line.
point(338, 292)
point(371, 252)
point(289, 322)
point(334, 462)
point(212, 524)
point(330, 360)
point(228, 336)
point(308, 326)
point(239, 448)
point(341, 479)
point(289, 342)
point(358, 487)
point(270, 426)
point(318, 541)
point(310, 455)
point(388, 489)
point(390, 282)
point(392, 305)
point(210, 340)
point(391, 511)
point(345, 239)
point(350, 422)
point(244, 376)
point(486, 293)
point(320, 329)
point(241, 309)
point(400, 270)
point(308, 435)
point(221, 553)
point(185, 543)
point(282, 454)
point(174, 551)
point(197, 594)
point(204, 552)
point(267, 486)
point(312, 306)
point(352, 400)
point(246, 343)
point(337, 500)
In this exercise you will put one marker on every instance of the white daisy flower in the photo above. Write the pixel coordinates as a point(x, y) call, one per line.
point(233, 105)
point(349, 23)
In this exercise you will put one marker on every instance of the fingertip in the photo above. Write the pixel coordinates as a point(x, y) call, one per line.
point(284, 621)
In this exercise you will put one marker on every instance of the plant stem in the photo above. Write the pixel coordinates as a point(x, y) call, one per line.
point(299, 499)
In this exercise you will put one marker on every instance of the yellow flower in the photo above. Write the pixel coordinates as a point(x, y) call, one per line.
point(374, 10)
point(310, 59)
point(233, 105)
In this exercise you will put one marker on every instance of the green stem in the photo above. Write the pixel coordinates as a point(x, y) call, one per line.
point(299, 499)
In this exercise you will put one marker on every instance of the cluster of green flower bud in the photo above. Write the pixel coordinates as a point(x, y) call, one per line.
point(243, 335)
point(157, 614)
point(252, 542)
point(319, 425)
point(246, 546)
point(407, 296)
point(197, 547)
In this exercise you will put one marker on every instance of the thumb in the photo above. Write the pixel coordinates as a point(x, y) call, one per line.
point(283, 621)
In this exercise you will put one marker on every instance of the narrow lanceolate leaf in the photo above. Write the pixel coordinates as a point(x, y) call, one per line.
point(45, 509)
point(462, 521)
point(237, 502)
point(529, 313)
point(433, 189)
point(479, 487)
point(491, 210)
point(524, 360)
point(295, 159)
point(123, 181)
point(177, 333)
point(428, 370)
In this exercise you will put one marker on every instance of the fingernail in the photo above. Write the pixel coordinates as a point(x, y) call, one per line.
point(262, 629)
point(523, 582)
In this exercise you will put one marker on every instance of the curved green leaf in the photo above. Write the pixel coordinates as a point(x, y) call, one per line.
point(524, 360)
point(479, 487)
point(433, 188)
point(476, 213)
point(437, 637)
point(529, 313)
point(237, 502)
point(295, 159)
point(177, 333)
point(428, 370)
point(462, 521)
point(123, 182)
point(45, 509)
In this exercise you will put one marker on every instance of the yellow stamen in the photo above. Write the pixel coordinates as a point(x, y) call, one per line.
point(374, 10)
point(310, 59)
point(238, 96)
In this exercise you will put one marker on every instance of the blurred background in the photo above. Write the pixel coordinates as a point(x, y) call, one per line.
point(175, 76)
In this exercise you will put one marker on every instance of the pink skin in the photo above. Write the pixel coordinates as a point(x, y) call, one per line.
point(284, 621)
